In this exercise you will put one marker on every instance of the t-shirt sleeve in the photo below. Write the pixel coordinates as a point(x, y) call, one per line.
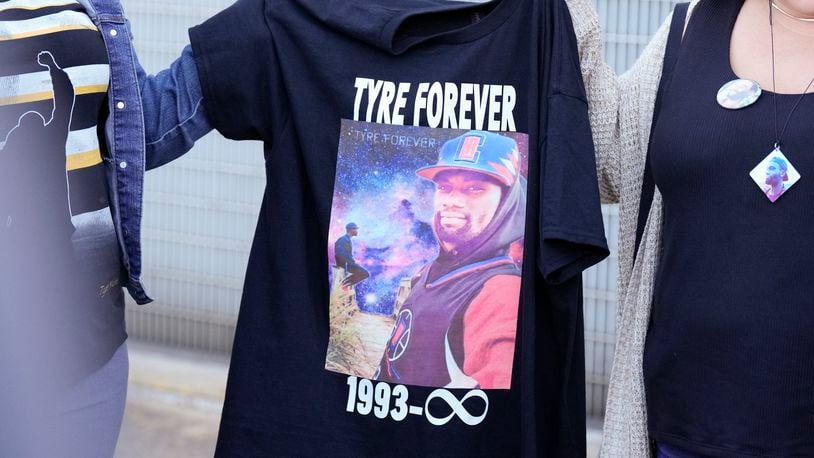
point(234, 55)
point(571, 229)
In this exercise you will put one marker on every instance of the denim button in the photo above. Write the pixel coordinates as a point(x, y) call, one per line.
point(123, 164)
point(120, 105)
point(113, 32)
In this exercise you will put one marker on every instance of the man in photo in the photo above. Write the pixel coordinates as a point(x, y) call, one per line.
point(776, 178)
point(343, 253)
point(457, 326)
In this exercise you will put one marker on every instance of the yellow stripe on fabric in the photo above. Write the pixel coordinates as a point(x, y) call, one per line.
point(82, 140)
point(36, 82)
point(31, 5)
point(93, 89)
point(35, 33)
point(51, 23)
point(26, 98)
point(40, 96)
point(83, 160)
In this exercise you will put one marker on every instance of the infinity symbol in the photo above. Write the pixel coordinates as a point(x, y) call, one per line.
point(457, 407)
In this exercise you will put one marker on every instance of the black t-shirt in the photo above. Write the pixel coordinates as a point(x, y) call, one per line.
point(451, 143)
point(728, 358)
point(61, 268)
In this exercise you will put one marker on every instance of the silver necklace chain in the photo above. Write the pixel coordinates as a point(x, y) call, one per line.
point(786, 13)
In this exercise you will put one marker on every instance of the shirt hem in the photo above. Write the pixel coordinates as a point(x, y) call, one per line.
point(706, 449)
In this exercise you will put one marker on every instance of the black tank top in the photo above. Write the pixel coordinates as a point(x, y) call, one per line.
point(729, 356)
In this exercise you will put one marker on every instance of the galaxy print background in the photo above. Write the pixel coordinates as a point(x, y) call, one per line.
point(377, 188)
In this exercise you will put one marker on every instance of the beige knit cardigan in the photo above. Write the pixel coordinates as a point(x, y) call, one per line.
point(621, 112)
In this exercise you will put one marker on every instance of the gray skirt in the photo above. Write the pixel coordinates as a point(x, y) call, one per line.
point(82, 420)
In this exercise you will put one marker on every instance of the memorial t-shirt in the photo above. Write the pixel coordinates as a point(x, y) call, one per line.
point(450, 144)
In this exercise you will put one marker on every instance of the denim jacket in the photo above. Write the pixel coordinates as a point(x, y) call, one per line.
point(152, 120)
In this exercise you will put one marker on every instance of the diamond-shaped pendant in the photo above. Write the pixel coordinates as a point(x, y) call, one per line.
point(775, 175)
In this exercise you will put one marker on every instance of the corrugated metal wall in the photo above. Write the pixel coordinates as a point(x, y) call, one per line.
point(201, 210)
point(628, 25)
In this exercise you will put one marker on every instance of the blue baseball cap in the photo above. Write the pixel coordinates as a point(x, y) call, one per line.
point(478, 151)
point(350, 226)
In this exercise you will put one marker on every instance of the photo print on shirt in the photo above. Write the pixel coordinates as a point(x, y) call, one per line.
point(425, 251)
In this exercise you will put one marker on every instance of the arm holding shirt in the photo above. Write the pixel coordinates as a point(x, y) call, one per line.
point(620, 106)
point(621, 113)
point(174, 114)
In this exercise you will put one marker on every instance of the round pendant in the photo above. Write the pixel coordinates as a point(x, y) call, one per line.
point(739, 93)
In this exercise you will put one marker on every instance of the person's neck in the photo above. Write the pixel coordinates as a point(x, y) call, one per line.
point(751, 50)
point(800, 31)
point(776, 189)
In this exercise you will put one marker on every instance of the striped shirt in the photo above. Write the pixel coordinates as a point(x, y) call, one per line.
point(42, 42)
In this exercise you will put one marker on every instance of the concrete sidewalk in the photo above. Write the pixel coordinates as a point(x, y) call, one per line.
point(594, 437)
point(174, 403)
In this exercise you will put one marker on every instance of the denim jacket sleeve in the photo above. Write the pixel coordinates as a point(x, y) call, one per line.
point(174, 115)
